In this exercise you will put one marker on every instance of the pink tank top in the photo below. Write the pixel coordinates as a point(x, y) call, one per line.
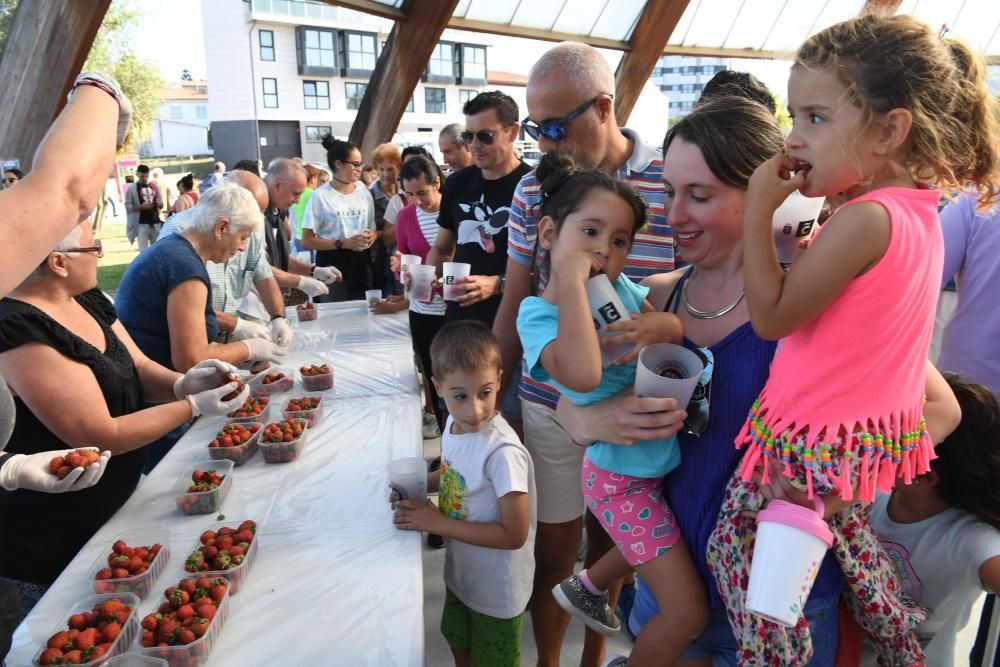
point(859, 368)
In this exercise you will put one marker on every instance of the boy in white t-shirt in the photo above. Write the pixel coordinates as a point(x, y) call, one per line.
point(486, 503)
point(943, 530)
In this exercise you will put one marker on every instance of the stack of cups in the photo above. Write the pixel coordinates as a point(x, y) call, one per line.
point(606, 308)
point(452, 271)
point(408, 480)
point(794, 222)
point(666, 370)
point(405, 262)
point(791, 543)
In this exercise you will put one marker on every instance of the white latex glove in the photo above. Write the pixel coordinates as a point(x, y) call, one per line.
point(328, 274)
point(210, 402)
point(31, 472)
point(264, 350)
point(279, 330)
point(207, 374)
point(246, 329)
point(313, 287)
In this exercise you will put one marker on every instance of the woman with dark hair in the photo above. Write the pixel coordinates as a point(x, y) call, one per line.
point(11, 177)
point(340, 222)
point(187, 198)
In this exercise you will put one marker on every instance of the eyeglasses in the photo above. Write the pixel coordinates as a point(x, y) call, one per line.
point(96, 248)
point(485, 137)
point(555, 129)
point(356, 165)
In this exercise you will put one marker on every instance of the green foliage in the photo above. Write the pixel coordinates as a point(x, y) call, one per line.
point(784, 120)
point(7, 8)
point(113, 52)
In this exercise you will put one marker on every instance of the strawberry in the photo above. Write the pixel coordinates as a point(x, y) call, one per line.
point(148, 639)
point(200, 626)
point(110, 632)
point(150, 622)
point(206, 611)
point(56, 463)
point(184, 612)
point(78, 622)
point(185, 636)
point(72, 658)
point(85, 639)
point(165, 632)
point(218, 591)
point(50, 656)
point(221, 562)
point(60, 640)
point(104, 573)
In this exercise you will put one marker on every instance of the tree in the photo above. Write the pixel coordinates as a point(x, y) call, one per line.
point(7, 8)
point(114, 53)
point(784, 119)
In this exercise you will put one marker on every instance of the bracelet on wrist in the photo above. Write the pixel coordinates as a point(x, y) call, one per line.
point(274, 317)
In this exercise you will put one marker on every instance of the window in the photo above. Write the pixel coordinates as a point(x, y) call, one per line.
point(464, 95)
point(270, 93)
point(316, 94)
point(442, 62)
point(319, 48)
point(315, 133)
point(434, 100)
point(354, 92)
point(409, 105)
point(687, 69)
point(358, 53)
point(201, 112)
point(687, 87)
point(473, 63)
point(266, 44)
point(176, 112)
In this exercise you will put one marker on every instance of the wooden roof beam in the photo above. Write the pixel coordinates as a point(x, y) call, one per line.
point(399, 68)
point(880, 7)
point(49, 41)
point(652, 30)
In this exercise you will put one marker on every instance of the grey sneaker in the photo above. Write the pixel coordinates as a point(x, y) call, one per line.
point(615, 661)
point(430, 427)
point(592, 609)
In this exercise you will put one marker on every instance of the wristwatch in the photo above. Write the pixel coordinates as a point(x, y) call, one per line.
point(338, 244)
point(503, 283)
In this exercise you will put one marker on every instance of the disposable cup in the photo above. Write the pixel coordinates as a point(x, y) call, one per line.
point(421, 281)
point(404, 265)
point(666, 370)
point(408, 479)
point(451, 272)
point(373, 296)
point(606, 308)
point(793, 222)
point(791, 542)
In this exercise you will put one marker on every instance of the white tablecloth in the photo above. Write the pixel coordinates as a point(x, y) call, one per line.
point(333, 582)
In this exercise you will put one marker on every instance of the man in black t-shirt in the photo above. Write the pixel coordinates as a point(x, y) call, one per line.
point(475, 207)
point(143, 203)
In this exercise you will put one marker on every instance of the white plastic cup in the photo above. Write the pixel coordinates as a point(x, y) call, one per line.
point(791, 543)
point(450, 272)
point(606, 308)
point(666, 370)
point(408, 480)
point(373, 296)
point(794, 221)
point(404, 265)
point(421, 282)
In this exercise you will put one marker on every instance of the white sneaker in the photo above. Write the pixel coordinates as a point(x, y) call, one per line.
point(430, 427)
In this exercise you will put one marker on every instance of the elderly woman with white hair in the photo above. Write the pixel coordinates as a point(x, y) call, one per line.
point(79, 380)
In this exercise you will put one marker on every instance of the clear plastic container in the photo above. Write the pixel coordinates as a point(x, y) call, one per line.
point(203, 502)
point(312, 417)
point(317, 382)
point(139, 584)
point(259, 418)
point(258, 388)
point(283, 452)
point(234, 575)
point(135, 660)
point(306, 314)
point(121, 644)
point(238, 454)
point(195, 653)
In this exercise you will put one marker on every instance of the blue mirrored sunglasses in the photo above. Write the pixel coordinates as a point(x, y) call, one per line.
point(555, 129)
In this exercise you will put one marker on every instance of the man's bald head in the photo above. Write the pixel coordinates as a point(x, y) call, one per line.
point(285, 181)
point(253, 183)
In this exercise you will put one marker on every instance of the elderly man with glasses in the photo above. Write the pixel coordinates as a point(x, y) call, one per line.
point(475, 207)
point(570, 109)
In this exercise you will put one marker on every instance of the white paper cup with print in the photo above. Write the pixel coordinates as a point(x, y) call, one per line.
point(452, 271)
point(793, 222)
point(606, 308)
point(408, 480)
point(421, 282)
point(790, 545)
point(372, 297)
point(666, 370)
point(405, 262)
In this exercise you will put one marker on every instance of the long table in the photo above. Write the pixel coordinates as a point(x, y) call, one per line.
point(332, 582)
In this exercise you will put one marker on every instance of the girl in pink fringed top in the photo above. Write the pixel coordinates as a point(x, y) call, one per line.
point(881, 106)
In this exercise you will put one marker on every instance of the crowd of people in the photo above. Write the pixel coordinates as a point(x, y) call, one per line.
point(543, 440)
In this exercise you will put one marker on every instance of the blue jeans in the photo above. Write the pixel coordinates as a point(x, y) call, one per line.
point(511, 406)
point(717, 642)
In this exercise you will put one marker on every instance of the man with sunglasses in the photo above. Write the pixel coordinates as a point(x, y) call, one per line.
point(475, 207)
point(570, 109)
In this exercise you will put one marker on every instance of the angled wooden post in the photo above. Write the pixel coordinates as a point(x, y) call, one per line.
point(398, 70)
point(652, 30)
point(49, 41)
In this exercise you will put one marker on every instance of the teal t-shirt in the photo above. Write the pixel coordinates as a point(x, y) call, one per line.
point(538, 325)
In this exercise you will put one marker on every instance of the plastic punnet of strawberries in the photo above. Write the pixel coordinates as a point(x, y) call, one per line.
point(89, 636)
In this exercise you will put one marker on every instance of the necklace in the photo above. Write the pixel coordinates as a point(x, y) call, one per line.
point(708, 315)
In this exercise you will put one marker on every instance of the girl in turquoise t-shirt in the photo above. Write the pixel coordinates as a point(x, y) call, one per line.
point(587, 224)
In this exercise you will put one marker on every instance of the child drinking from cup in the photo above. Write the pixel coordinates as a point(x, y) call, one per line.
point(881, 107)
point(588, 221)
point(486, 503)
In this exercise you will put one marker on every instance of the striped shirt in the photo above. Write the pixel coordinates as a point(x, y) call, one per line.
point(652, 251)
point(429, 228)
